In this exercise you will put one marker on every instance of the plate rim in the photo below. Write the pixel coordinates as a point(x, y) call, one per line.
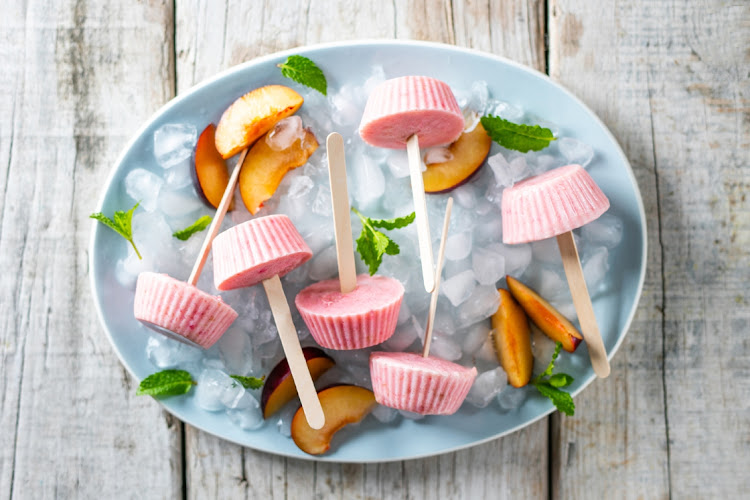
point(177, 100)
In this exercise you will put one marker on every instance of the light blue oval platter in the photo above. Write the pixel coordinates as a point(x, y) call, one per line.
point(372, 441)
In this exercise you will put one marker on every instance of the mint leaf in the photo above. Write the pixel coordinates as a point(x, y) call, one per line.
point(303, 70)
point(122, 224)
point(166, 383)
point(372, 244)
point(195, 227)
point(515, 136)
point(548, 385)
point(249, 382)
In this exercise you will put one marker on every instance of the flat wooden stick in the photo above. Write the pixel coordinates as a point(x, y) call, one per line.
point(342, 222)
point(420, 207)
point(213, 229)
point(308, 396)
point(438, 273)
point(582, 303)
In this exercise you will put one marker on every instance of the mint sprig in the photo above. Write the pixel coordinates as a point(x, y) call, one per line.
point(166, 383)
point(249, 382)
point(516, 136)
point(549, 385)
point(121, 223)
point(303, 70)
point(372, 244)
point(196, 227)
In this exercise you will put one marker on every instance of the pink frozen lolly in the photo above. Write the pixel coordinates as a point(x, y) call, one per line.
point(180, 310)
point(411, 382)
point(402, 107)
point(364, 317)
point(550, 204)
point(258, 249)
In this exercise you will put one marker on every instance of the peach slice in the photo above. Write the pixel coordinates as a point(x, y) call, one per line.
point(264, 168)
point(279, 388)
point(512, 339)
point(252, 115)
point(342, 404)
point(547, 318)
point(469, 152)
point(210, 174)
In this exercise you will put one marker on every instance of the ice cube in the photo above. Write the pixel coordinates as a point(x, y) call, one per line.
point(480, 95)
point(517, 257)
point(475, 337)
point(550, 284)
point(268, 350)
point(384, 414)
point(174, 143)
point(437, 155)
point(511, 398)
point(575, 151)
point(546, 251)
point(404, 336)
point(458, 288)
point(300, 187)
point(606, 230)
point(180, 205)
point(488, 265)
point(486, 351)
point(324, 265)
point(444, 348)
point(237, 351)
point(212, 384)
point(507, 111)
point(285, 133)
point(404, 313)
point(247, 415)
point(284, 418)
point(143, 186)
point(595, 268)
point(398, 163)
point(481, 304)
point(322, 202)
point(232, 397)
point(458, 246)
point(411, 415)
point(317, 238)
point(370, 182)
point(179, 176)
point(346, 110)
point(486, 386)
point(264, 330)
point(542, 347)
point(128, 269)
point(165, 353)
point(491, 230)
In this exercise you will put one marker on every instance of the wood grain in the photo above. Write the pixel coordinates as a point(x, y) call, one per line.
point(68, 413)
point(511, 466)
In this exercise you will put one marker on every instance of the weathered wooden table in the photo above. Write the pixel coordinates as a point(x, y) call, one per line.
point(670, 78)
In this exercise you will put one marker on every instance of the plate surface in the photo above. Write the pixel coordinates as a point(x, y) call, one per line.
point(372, 441)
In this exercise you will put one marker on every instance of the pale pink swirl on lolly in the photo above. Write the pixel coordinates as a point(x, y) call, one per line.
point(409, 105)
point(411, 382)
point(173, 306)
point(550, 204)
point(364, 317)
point(258, 249)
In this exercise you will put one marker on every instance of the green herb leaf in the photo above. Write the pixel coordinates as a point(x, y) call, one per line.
point(166, 383)
point(561, 399)
point(303, 70)
point(515, 136)
point(249, 382)
point(122, 224)
point(372, 244)
point(548, 385)
point(195, 227)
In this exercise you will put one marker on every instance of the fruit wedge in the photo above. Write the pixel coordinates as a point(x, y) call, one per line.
point(469, 152)
point(210, 174)
point(252, 115)
point(547, 318)
point(264, 168)
point(512, 340)
point(342, 405)
point(279, 388)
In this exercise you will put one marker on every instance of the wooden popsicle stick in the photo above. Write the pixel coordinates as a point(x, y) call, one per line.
point(342, 223)
point(438, 273)
point(308, 396)
point(582, 303)
point(420, 208)
point(213, 229)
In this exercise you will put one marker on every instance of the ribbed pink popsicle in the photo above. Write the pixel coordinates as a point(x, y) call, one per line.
point(364, 317)
point(174, 307)
point(256, 250)
point(553, 204)
point(425, 385)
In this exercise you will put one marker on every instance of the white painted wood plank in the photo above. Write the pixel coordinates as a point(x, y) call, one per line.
point(515, 465)
point(671, 80)
point(70, 424)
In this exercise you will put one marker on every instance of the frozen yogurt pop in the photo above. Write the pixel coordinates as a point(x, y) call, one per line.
point(350, 312)
point(553, 204)
point(422, 384)
point(407, 112)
